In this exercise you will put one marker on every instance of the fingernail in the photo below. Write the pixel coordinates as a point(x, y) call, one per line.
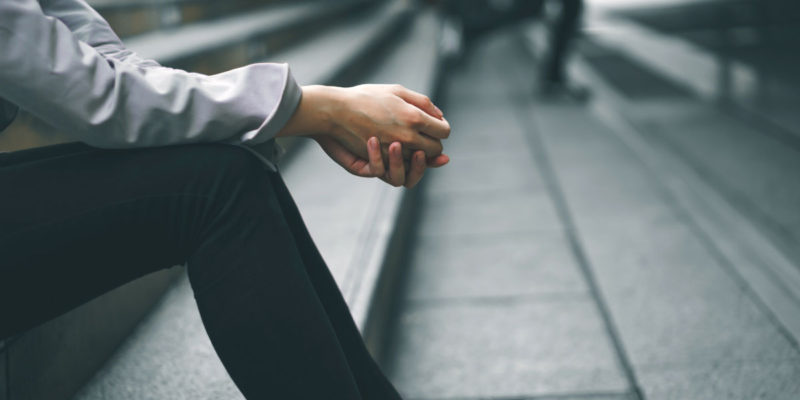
point(373, 142)
point(441, 114)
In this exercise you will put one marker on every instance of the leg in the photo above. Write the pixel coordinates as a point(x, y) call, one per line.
point(136, 211)
point(560, 39)
point(372, 383)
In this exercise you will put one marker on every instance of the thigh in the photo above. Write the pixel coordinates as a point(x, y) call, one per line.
point(77, 221)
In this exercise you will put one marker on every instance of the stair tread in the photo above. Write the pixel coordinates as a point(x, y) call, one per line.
point(321, 59)
point(173, 44)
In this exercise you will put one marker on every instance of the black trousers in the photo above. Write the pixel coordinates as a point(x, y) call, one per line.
point(562, 35)
point(77, 221)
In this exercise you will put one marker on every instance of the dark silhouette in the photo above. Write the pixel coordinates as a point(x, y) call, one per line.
point(478, 17)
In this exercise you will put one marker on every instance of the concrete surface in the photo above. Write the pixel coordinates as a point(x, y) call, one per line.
point(573, 270)
point(496, 305)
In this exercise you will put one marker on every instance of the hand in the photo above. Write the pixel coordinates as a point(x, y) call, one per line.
point(374, 166)
point(393, 114)
point(353, 115)
point(397, 176)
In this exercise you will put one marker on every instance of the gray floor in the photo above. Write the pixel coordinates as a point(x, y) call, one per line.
point(552, 263)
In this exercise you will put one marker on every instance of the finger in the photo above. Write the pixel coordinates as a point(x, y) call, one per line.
point(347, 160)
point(436, 128)
point(335, 151)
point(419, 100)
point(376, 165)
point(438, 161)
point(431, 146)
point(416, 170)
point(405, 152)
point(397, 171)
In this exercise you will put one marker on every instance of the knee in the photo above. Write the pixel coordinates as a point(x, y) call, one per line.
point(225, 167)
point(235, 183)
point(228, 161)
point(243, 210)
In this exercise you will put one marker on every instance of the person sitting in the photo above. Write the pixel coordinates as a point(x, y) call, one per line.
point(164, 171)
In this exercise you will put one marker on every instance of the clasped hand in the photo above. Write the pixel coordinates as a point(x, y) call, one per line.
point(368, 127)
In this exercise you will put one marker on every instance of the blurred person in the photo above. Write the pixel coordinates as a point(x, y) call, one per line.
point(478, 17)
point(553, 79)
point(165, 172)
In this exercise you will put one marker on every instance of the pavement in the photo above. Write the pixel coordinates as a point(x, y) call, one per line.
point(553, 260)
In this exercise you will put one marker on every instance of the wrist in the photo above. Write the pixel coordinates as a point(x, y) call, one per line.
point(316, 114)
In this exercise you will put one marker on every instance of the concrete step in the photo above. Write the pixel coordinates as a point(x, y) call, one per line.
point(704, 292)
point(69, 365)
point(745, 66)
point(225, 43)
point(733, 175)
point(134, 17)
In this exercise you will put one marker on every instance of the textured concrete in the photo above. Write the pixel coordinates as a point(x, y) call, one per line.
point(53, 360)
point(495, 303)
point(493, 310)
point(751, 167)
point(497, 136)
point(192, 39)
point(503, 349)
point(683, 318)
point(336, 49)
point(486, 213)
point(498, 266)
point(169, 356)
point(730, 381)
point(332, 207)
point(466, 174)
point(743, 155)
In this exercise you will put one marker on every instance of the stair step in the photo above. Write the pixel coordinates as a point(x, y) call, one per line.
point(52, 360)
point(329, 56)
point(240, 39)
point(134, 17)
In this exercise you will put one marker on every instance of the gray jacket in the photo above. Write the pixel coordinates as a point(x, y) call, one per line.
point(60, 61)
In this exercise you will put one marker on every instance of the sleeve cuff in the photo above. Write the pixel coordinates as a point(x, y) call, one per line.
point(279, 116)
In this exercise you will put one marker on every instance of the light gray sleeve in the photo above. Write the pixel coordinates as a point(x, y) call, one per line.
point(116, 101)
point(88, 26)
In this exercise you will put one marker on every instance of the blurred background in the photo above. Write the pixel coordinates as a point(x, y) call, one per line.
point(620, 218)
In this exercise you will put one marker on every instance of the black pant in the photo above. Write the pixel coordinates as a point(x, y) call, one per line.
point(77, 221)
point(561, 37)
